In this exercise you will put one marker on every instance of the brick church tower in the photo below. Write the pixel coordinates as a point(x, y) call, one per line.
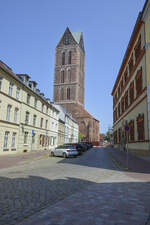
point(69, 81)
point(69, 70)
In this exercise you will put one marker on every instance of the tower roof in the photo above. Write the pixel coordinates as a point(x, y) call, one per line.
point(77, 36)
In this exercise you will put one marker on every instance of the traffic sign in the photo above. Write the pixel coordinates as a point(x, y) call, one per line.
point(126, 128)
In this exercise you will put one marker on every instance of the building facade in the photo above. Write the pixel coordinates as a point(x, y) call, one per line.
point(131, 91)
point(28, 121)
point(69, 82)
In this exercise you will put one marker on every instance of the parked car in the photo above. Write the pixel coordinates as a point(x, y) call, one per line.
point(85, 147)
point(65, 151)
point(79, 148)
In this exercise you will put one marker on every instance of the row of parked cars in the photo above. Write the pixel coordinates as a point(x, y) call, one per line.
point(71, 149)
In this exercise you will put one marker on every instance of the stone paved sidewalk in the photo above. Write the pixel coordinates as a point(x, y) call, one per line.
point(15, 159)
point(123, 199)
point(137, 167)
point(120, 200)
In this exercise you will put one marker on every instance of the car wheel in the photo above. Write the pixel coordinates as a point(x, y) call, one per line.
point(64, 155)
point(52, 154)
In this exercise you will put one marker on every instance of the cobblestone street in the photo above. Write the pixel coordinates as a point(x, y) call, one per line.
point(87, 190)
point(27, 188)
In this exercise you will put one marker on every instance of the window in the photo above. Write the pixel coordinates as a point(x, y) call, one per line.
point(138, 48)
point(28, 99)
point(122, 105)
point(25, 137)
point(17, 92)
point(10, 89)
point(131, 92)
point(63, 58)
point(131, 64)
point(69, 57)
point(34, 120)
point(35, 102)
point(119, 91)
point(41, 124)
point(126, 100)
point(131, 130)
point(42, 107)
point(119, 135)
point(125, 76)
point(69, 75)
point(62, 76)
point(119, 110)
point(47, 109)
point(139, 82)
point(27, 118)
point(0, 83)
point(13, 140)
point(8, 113)
point(115, 137)
point(140, 127)
point(15, 115)
point(46, 123)
point(68, 93)
point(121, 85)
point(62, 94)
point(6, 140)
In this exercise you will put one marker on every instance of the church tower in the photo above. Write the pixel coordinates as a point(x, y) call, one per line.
point(69, 71)
point(69, 83)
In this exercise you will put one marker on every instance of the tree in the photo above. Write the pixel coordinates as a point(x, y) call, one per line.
point(80, 136)
point(108, 135)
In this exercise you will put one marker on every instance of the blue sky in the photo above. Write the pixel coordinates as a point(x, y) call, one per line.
point(30, 30)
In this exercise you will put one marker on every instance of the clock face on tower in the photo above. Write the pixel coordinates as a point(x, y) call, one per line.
point(67, 39)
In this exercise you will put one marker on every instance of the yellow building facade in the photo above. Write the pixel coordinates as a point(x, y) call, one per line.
point(28, 121)
point(131, 91)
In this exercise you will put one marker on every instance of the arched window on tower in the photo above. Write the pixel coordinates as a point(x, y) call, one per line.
point(62, 94)
point(63, 58)
point(62, 76)
point(69, 57)
point(68, 93)
point(69, 75)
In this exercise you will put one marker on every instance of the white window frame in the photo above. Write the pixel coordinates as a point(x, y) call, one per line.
point(25, 138)
point(6, 137)
point(15, 115)
point(10, 88)
point(13, 143)
point(27, 117)
point(17, 93)
point(8, 112)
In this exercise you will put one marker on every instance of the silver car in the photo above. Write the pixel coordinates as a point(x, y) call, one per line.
point(64, 151)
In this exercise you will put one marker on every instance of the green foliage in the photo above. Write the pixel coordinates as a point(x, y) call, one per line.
point(80, 136)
